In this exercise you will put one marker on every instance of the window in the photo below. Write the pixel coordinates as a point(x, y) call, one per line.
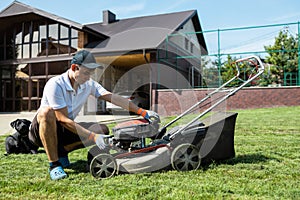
point(186, 43)
point(64, 40)
point(64, 32)
point(74, 39)
point(37, 38)
point(42, 32)
point(192, 48)
point(26, 51)
point(53, 31)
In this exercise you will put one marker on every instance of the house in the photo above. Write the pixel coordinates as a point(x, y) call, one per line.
point(36, 45)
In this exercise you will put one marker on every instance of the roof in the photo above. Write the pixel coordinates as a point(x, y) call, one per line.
point(169, 21)
point(146, 32)
point(18, 8)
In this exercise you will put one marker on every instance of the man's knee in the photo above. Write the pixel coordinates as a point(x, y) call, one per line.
point(99, 128)
point(46, 115)
point(105, 129)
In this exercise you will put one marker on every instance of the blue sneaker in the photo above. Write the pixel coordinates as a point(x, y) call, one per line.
point(57, 173)
point(64, 161)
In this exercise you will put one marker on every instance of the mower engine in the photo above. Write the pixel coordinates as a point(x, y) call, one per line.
point(132, 135)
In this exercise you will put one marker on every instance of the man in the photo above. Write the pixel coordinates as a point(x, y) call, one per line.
point(53, 126)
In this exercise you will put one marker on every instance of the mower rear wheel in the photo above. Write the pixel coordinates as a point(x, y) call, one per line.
point(103, 166)
point(185, 157)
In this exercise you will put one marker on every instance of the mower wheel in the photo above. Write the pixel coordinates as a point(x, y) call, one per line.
point(185, 157)
point(103, 166)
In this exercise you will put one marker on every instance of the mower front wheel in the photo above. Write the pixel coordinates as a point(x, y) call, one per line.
point(103, 166)
point(185, 157)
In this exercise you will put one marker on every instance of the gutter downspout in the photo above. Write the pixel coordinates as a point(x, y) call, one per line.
point(150, 78)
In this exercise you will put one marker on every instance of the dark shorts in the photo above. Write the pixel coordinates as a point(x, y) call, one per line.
point(64, 136)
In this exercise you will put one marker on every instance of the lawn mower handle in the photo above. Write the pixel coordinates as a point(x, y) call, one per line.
point(163, 129)
point(260, 70)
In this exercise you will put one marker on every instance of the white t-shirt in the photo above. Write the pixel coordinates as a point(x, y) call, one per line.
point(58, 93)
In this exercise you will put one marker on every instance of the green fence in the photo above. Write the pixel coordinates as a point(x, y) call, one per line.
point(238, 43)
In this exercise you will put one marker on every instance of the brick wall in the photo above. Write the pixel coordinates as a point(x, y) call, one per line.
point(174, 102)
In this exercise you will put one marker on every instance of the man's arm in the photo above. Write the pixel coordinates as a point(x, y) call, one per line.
point(128, 105)
point(62, 117)
point(120, 101)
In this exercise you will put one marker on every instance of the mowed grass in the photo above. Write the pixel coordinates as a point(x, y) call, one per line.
point(266, 166)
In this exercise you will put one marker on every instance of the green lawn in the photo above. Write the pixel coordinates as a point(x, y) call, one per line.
point(266, 166)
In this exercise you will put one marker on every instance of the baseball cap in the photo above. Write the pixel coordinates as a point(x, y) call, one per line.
point(86, 59)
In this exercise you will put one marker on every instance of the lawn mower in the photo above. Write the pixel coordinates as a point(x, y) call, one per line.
point(138, 146)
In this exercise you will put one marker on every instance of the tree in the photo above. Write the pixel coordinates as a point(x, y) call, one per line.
point(283, 57)
point(228, 71)
point(210, 72)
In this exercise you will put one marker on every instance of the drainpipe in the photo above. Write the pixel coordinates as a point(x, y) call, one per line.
point(150, 79)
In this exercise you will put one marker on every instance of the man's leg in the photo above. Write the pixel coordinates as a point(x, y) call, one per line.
point(57, 141)
point(48, 133)
point(72, 142)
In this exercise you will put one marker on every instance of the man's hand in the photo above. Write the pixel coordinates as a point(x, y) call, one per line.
point(99, 140)
point(149, 115)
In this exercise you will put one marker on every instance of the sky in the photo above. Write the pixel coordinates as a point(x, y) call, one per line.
point(213, 15)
